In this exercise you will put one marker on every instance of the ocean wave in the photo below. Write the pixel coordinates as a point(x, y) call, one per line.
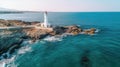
point(9, 61)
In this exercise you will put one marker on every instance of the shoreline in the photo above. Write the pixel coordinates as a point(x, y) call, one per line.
point(34, 34)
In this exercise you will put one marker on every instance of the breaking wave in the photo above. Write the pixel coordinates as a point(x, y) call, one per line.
point(9, 61)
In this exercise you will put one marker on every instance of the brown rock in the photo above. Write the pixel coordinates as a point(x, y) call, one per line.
point(52, 33)
point(90, 31)
point(73, 29)
point(35, 33)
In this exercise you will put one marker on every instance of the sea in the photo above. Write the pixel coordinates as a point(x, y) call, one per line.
point(99, 50)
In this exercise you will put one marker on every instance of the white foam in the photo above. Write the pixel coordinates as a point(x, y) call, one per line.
point(78, 25)
point(26, 42)
point(66, 34)
point(53, 38)
point(24, 49)
point(2, 64)
point(41, 41)
point(7, 62)
point(56, 38)
point(97, 30)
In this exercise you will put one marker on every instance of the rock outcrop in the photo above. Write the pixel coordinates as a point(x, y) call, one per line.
point(4, 23)
point(90, 31)
point(73, 30)
point(7, 42)
point(58, 30)
point(33, 33)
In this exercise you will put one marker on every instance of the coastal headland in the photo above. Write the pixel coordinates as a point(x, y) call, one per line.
point(17, 31)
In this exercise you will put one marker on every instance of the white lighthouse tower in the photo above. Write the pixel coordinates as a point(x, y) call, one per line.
point(46, 24)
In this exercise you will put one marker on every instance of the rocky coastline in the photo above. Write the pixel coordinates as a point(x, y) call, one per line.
point(10, 38)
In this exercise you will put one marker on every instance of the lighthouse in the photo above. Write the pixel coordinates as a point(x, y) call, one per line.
point(46, 24)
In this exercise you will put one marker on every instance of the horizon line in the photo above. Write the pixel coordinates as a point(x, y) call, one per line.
point(62, 11)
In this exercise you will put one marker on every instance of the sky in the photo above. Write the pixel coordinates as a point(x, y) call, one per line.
point(62, 5)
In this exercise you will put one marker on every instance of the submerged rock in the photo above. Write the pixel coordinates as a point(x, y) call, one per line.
point(85, 61)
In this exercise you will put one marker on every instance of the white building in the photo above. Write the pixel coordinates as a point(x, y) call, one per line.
point(45, 24)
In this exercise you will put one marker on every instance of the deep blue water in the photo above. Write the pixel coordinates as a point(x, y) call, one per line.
point(99, 50)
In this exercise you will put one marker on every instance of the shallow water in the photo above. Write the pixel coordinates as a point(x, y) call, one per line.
point(99, 50)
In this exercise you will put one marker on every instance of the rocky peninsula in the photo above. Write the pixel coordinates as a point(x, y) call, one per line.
point(14, 37)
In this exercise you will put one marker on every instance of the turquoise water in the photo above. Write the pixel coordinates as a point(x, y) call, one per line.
point(99, 50)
